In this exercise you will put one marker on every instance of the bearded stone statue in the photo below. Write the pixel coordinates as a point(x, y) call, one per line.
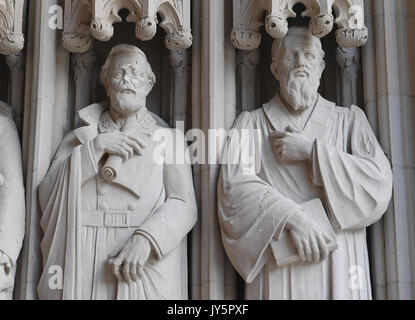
point(307, 149)
point(115, 220)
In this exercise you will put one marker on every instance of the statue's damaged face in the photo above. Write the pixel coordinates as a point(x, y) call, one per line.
point(298, 65)
point(129, 84)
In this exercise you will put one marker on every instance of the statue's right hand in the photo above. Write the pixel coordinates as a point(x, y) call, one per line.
point(307, 237)
point(118, 143)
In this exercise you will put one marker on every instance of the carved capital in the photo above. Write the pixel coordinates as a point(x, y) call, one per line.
point(76, 35)
point(11, 24)
point(245, 39)
point(248, 19)
point(352, 31)
point(351, 38)
point(86, 18)
point(76, 43)
point(179, 40)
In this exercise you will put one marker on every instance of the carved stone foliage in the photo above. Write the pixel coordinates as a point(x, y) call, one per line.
point(11, 24)
point(86, 18)
point(249, 17)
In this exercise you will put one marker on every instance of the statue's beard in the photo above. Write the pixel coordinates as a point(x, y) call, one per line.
point(300, 93)
point(127, 104)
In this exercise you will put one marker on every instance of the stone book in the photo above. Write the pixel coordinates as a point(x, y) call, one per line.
point(284, 250)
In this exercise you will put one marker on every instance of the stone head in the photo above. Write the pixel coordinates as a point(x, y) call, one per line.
point(128, 79)
point(298, 64)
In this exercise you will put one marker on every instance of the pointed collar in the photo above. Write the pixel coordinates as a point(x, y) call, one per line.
point(280, 118)
point(106, 124)
point(92, 114)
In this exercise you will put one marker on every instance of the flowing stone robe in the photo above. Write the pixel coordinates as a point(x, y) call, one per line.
point(349, 173)
point(87, 220)
point(12, 195)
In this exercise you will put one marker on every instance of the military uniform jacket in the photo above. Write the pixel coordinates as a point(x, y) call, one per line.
point(153, 195)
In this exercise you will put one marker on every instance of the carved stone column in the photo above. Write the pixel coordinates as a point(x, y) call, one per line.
point(181, 66)
point(84, 67)
point(16, 65)
point(247, 63)
point(213, 107)
point(348, 61)
point(386, 77)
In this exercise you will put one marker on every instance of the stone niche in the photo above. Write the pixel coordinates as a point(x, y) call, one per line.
point(160, 28)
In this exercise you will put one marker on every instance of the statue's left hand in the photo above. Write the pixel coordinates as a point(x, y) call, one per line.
point(292, 146)
point(129, 264)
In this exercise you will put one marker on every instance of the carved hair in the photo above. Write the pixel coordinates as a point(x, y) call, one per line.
point(279, 44)
point(140, 56)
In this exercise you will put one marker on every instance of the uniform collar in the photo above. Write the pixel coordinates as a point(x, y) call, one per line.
point(143, 122)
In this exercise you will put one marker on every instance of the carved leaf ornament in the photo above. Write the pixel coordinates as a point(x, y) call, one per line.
point(95, 18)
point(248, 19)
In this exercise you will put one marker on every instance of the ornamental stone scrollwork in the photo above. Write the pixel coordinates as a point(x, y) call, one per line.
point(248, 18)
point(11, 25)
point(86, 18)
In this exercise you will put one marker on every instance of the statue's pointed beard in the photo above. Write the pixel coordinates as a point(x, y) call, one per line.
point(300, 92)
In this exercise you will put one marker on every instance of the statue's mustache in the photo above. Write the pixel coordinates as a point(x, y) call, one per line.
point(126, 89)
point(300, 70)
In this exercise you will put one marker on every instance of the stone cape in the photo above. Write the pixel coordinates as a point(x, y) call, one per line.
point(73, 196)
point(349, 173)
point(12, 199)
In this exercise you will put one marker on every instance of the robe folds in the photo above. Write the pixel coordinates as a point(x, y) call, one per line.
point(12, 198)
point(349, 173)
point(87, 220)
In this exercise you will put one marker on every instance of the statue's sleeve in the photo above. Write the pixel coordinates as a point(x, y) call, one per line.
point(168, 226)
point(357, 183)
point(251, 211)
point(12, 195)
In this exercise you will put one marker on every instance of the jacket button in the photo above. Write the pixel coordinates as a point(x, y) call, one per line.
point(132, 206)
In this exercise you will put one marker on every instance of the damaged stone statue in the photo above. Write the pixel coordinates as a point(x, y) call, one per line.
point(114, 219)
point(294, 226)
point(12, 201)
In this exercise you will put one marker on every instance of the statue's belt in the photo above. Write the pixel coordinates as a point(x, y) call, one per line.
point(123, 219)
